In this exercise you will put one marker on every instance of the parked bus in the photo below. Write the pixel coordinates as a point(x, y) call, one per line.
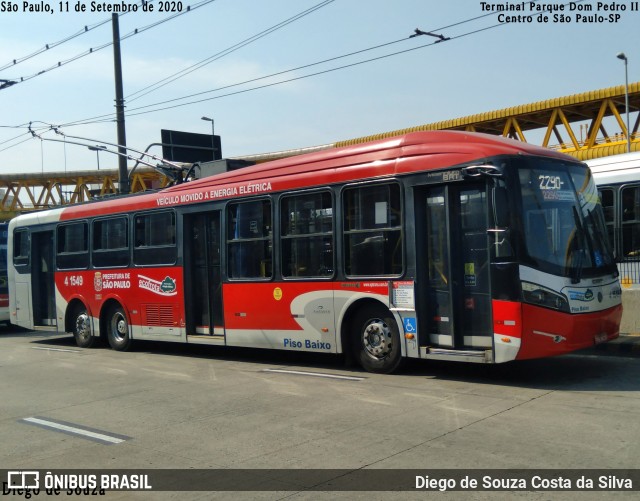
point(4, 286)
point(436, 245)
point(618, 180)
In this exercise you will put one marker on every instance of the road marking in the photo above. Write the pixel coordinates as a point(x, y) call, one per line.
point(316, 374)
point(76, 430)
point(55, 349)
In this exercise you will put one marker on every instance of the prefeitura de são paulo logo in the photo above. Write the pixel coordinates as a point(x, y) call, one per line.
point(97, 281)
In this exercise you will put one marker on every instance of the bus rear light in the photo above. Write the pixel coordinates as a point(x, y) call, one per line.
point(409, 336)
point(505, 339)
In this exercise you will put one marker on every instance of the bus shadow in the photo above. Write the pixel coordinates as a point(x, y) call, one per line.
point(12, 331)
point(582, 371)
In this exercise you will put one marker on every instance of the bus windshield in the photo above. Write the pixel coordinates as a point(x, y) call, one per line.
point(564, 229)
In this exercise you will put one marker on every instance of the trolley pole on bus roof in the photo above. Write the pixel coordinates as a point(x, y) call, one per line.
point(123, 174)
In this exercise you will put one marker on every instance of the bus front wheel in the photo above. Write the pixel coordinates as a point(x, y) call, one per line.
point(82, 328)
point(118, 329)
point(376, 343)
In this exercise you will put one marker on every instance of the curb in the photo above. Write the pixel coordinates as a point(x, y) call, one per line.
point(626, 344)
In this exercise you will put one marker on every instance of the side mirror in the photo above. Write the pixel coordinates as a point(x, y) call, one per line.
point(481, 170)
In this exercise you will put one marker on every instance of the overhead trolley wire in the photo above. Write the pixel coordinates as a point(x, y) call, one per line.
point(330, 70)
point(86, 29)
point(27, 133)
point(50, 46)
point(104, 118)
point(109, 116)
point(93, 50)
point(190, 69)
point(136, 111)
point(13, 139)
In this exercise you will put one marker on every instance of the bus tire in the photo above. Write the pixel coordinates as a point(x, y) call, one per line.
point(118, 329)
point(82, 328)
point(376, 341)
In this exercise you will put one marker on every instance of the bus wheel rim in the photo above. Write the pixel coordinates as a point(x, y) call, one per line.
point(377, 339)
point(83, 327)
point(119, 327)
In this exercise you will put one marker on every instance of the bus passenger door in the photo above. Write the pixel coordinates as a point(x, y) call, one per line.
point(202, 275)
point(43, 290)
point(453, 266)
point(43, 295)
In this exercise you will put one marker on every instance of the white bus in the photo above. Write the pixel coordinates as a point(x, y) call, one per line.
point(618, 180)
point(4, 288)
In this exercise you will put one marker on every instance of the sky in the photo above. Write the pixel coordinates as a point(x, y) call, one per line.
point(486, 64)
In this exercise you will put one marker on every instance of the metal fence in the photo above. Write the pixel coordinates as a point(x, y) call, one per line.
point(629, 273)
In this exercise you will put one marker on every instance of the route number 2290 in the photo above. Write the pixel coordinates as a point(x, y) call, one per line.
point(550, 182)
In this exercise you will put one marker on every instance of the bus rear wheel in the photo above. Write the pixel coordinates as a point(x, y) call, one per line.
point(118, 329)
point(376, 343)
point(82, 328)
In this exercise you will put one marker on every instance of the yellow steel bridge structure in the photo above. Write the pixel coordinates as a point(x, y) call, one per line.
point(571, 124)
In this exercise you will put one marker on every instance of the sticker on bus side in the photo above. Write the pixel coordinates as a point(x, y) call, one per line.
point(166, 287)
point(410, 325)
point(403, 294)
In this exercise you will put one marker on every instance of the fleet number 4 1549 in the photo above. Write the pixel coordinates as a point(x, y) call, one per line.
point(73, 280)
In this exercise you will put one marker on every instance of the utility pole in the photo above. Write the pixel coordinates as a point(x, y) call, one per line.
point(123, 174)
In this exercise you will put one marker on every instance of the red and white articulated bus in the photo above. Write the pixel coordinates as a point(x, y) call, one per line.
point(435, 245)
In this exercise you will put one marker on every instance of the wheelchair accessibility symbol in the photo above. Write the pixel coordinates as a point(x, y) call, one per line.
point(409, 325)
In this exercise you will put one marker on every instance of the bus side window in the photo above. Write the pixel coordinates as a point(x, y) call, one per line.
point(607, 199)
point(307, 235)
point(110, 242)
point(21, 247)
point(372, 230)
point(631, 222)
point(73, 246)
point(249, 239)
point(629, 203)
point(155, 238)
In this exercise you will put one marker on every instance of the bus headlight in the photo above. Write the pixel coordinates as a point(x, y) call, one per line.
point(541, 296)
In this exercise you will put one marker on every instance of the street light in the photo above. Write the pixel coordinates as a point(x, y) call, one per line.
point(97, 148)
point(622, 56)
point(213, 148)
